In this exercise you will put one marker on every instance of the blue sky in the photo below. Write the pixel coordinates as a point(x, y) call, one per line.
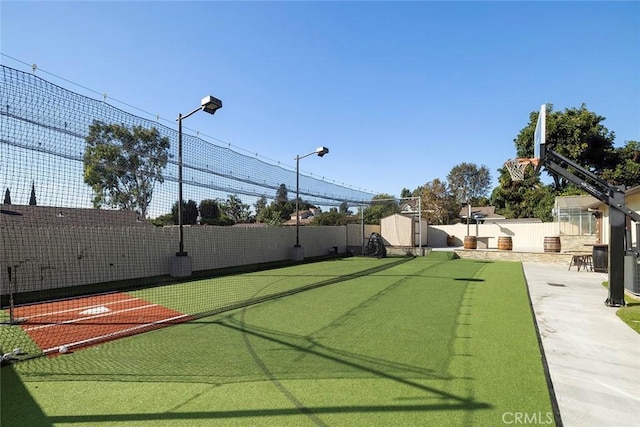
point(400, 92)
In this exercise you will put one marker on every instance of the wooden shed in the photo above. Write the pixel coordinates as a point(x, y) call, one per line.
point(403, 230)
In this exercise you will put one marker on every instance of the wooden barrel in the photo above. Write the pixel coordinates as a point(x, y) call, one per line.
point(451, 240)
point(470, 242)
point(552, 244)
point(505, 243)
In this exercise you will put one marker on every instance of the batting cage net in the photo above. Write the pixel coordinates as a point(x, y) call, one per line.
point(94, 243)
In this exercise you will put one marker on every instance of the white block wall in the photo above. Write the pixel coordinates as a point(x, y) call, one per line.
point(46, 258)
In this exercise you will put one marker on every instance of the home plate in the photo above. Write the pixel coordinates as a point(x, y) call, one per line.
point(96, 310)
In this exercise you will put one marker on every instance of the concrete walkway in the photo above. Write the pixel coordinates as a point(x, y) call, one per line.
point(593, 357)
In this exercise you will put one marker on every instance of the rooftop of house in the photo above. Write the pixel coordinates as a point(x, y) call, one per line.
point(480, 212)
point(306, 216)
point(582, 202)
point(48, 216)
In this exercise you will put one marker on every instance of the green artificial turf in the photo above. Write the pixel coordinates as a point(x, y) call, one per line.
point(429, 341)
point(629, 314)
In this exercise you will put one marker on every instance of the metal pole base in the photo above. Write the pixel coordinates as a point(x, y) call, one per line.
point(297, 254)
point(612, 302)
point(180, 265)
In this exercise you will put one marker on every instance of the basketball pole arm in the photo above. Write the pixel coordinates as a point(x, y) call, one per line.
point(614, 197)
point(591, 183)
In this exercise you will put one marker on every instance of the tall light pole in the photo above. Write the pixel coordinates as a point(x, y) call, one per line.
point(210, 105)
point(298, 252)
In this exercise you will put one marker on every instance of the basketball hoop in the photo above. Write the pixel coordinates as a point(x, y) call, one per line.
point(516, 167)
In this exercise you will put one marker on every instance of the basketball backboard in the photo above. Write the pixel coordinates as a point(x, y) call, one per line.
point(540, 135)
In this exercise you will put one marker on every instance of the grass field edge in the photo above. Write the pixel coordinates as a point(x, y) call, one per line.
point(543, 358)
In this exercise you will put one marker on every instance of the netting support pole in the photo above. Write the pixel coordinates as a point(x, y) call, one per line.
point(298, 251)
point(362, 222)
point(297, 201)
point(11, 315)
point(181, 251)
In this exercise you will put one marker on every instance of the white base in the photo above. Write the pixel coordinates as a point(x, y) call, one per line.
point(297, 253)
point(180, 266)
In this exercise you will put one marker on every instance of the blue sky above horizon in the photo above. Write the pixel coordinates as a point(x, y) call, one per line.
point(399, 92)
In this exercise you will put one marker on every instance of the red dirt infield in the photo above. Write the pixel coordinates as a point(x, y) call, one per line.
point(87, 321)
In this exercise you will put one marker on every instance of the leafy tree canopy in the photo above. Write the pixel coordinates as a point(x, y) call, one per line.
point(282, 195)
point(122, 165)
point(330, 218)
point(438, 205)
point(189, 213)
point(236, 210)
point(468, 182)
point(382, 205)
point(209, 212)
point(344, 209)
point(579, 135)
point(575, 133)
point(626, 166)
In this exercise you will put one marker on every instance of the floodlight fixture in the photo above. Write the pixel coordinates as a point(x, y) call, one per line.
point(210, 104)
point(320, 151)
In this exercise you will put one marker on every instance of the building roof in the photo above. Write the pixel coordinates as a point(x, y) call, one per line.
point(512, 221)
point(480, 212)
point(409, 206)
point(49, 216)
point(633, 190)
point(630, 192)
point(575, 202)
point(306, 216)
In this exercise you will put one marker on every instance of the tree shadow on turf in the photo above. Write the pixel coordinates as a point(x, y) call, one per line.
point(401, 373)
point(17, 407)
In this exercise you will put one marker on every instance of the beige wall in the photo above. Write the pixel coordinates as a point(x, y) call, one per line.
point(354, 234)
point(525, 237)
point(631, 201)
point(43, 258)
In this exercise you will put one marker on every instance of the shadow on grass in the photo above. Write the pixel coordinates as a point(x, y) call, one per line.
point(17, 407)
point(373, 366)
point(405, 374)
point(322, 410)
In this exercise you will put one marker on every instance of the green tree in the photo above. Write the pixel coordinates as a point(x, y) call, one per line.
point(405, 193)
point(468, 183)
point(189, 213)
point(282, 195)
point(575, 133)
point(32, 198)
point(7, 197)
point(260, 204)
point(625, 169)
point(163, 220)
point(270, 215)
point(123, 165)
point(438, 205)
point(579, 135)
point(236, 210)
point(344, 208)
point(382, 205)
point(209, 212)
point(330, 218)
